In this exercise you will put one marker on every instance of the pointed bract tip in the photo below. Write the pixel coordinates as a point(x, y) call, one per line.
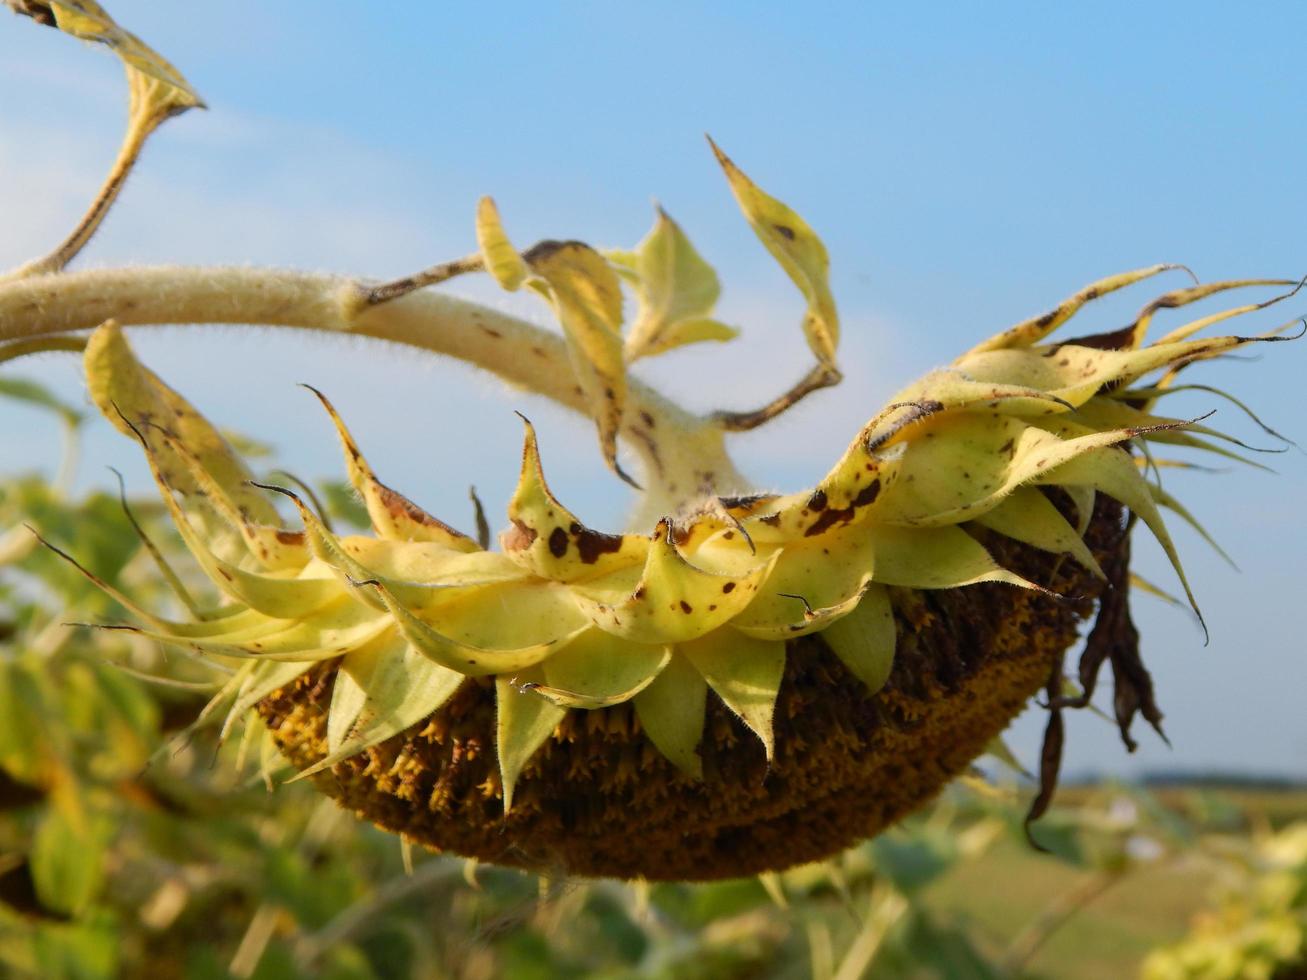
point(306, 385)
point(720, 154)
point(626, 477)
point(273, 488)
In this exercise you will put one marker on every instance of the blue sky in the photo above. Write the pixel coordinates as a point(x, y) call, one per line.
point(966, 164)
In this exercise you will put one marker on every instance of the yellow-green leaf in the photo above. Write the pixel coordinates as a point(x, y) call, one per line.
point(815, 582)
point(341, 625)
point(475, 661)
point(587, 298)
point(138, 404)
point(67, 862)
point(975, 464)
point(264, 677)
point(1111, 471)
point(349, 690)
point(158, 89)
point(671, 712)
point(279, 598)
point(597, 670)
point(525, 722)
point(1030, 517)
point(744, 672)
point(403, 688)
point(1075, 373)
point(936, 558)
point(793, 244)
point(864, 639)
point(676, 289)
point(502, 260)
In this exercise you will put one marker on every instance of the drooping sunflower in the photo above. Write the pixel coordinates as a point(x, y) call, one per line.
point(752, 681)
point(743, 682)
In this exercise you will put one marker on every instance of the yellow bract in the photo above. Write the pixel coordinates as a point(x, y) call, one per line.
point(793, 244)
point(587, 297)
point(569, 618)
point(501, 258)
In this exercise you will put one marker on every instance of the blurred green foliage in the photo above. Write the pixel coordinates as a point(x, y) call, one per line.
point(133, 844)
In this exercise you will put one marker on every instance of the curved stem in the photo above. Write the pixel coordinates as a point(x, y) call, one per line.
point(40, 345)
point(684, 454)
point(138, 130)
point(821, 376)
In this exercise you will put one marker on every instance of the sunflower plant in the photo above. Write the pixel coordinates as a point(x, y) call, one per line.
point(740, 680)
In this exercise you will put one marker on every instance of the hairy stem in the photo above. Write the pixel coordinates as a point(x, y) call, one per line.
point(433, 276)
point(138, 130)
point(684, 454)
point(821, 376)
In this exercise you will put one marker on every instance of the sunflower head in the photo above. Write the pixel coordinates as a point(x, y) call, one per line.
point(746, 680)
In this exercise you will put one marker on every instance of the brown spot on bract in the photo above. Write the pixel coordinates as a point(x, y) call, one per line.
point(397, 505)
point(785, 231)
point(867, 494)
point(1008, 447)
point(590, 545)
point(290, 537)
point(817, 501)
point(558, 542)
point(842, 515)
point(745, 504)
point(647, 419)
point(543, 249)
point(490, 331)
point(686, 607)
point(728, 588)
point(771, 520)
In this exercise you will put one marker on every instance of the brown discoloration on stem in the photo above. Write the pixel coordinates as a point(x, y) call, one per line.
point(821, 376)
point(432, 276)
